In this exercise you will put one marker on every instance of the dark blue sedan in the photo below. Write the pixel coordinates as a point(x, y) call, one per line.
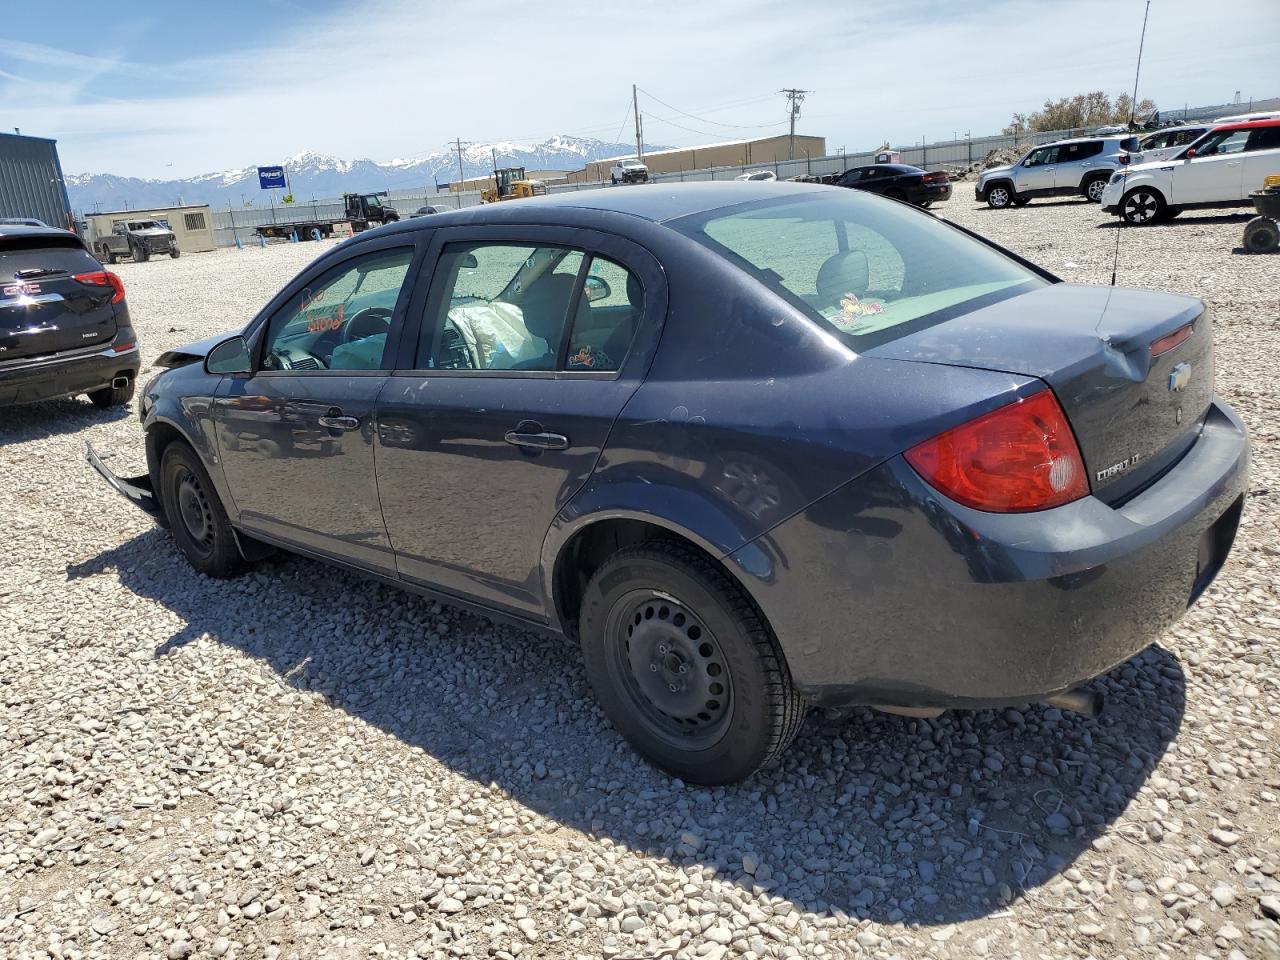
point(756, 447)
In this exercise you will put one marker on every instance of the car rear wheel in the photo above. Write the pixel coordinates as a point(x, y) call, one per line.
point(141, 254)
point(112, 396)
point(199, 523)
point(1142, 206)
point(999, 196)
point(108, 255)
point(684, 665)
point(1094, 189)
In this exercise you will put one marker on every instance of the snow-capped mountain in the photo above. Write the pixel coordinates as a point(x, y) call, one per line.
point(323, 176)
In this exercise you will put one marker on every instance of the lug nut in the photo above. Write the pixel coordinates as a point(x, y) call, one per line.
point(653, 667)
point(673, 688)
point(662, 648)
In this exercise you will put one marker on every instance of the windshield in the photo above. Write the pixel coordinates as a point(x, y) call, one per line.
point(631, 163)
point(868, 270)
point(373, 201)
point(143, 225)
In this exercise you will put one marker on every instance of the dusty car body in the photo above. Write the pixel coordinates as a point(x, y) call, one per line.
point(794, 445)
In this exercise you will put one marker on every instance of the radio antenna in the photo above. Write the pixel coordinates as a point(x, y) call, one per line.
point(1133, 107)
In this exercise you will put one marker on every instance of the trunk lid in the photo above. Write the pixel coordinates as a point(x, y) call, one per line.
point(43, 308)
point(1133, 413)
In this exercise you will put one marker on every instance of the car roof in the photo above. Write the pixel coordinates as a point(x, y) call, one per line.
point(1090, 139)
point(1248, 124)
point(656, 202)
point(23, 230)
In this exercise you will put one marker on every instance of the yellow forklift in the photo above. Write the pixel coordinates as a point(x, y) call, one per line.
point(512, 184)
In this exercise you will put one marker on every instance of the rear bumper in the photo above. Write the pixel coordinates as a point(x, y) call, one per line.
point(65, 374)
point(932, 193)
point(886, 592)
point(137, 490)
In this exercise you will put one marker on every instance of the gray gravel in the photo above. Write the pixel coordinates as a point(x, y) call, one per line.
point(302, 764)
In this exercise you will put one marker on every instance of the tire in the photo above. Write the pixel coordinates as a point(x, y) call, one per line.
point(112, 396)
point(1093, 188)
point(108, 256)
point(613, 180)
point(197, 520)
point(1261, 235)
point(141, 254)
point(315, 233)
point(1142, 206)
point(999, 196)
point(665, 607)
point(175, 253)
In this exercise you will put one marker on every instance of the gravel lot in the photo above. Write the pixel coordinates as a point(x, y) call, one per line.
point(302, 764)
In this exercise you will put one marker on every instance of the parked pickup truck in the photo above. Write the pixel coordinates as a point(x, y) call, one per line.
point(138, 239)
point(629, 170)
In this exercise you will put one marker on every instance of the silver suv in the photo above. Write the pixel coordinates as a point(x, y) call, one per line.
point(1079, 167)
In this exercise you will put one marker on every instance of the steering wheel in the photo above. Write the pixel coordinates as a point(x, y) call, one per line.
point(368, 322)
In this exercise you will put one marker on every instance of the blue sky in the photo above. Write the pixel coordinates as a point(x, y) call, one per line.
point(180, 89)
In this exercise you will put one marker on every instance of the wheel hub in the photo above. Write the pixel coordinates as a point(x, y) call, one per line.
point(194, 509)
point(674, 668)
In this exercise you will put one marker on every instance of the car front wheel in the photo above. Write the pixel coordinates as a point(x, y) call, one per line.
point(1142, 206)
point(684, 665)
point(999, 196)
point(196, 517)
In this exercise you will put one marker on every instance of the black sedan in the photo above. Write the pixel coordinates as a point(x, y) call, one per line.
point(899, 182)
point(64, 323)
point(753, 450)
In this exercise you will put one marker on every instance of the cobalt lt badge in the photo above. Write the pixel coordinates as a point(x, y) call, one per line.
point(1179, 377)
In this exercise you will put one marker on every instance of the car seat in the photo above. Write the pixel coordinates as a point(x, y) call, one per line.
point(543, 310)
point(841, 274)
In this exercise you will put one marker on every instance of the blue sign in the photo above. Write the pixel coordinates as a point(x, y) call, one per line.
point(271, 178)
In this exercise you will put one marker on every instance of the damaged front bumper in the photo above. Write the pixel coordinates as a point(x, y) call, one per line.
point(136, 489)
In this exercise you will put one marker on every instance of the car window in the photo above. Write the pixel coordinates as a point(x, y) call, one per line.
point(1079, 151)
point(340, 321)
point(1222, 142)
point(851, 176)
point(1042, 156)
point(602, 333)
point(1264, 138)
point(867, 271)
point(500, 306)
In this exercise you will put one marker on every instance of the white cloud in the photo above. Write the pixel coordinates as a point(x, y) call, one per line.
point(400, 78)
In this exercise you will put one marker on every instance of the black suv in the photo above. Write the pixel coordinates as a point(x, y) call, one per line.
point(64, 324)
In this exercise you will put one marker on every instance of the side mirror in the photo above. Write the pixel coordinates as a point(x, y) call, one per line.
point(468, 261)
point(597, 288)
point(230, 356)
point(1190, 154)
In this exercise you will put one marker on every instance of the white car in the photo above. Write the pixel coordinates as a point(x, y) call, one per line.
point(629, 170)
point(757, 175)
point(1221, 169)
point(1245, 117)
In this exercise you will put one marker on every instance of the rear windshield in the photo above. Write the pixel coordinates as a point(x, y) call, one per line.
point(47, 254)
point(867, 269)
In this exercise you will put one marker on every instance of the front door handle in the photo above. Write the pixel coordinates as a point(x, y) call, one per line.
point(537, 441)
point(334, 422)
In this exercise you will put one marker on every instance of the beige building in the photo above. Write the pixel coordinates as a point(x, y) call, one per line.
point(192, 226)
point(735, 153)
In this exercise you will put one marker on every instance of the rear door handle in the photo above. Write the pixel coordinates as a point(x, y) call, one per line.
point(334, 422)
point(537, 441)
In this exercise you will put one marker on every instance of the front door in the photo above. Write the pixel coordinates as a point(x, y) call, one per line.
point(297, 437)
point(1215, 174)
point(1037, 172)
point(528, 351)
point(1261, 158)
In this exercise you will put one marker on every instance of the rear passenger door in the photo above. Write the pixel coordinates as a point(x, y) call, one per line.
point(529, 342)
point(1074, 160)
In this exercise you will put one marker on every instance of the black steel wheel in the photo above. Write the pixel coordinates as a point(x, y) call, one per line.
point(196, 517)
point(1262, 235)
point(684, 665)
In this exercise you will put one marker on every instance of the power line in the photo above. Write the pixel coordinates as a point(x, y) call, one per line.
point(716, 123)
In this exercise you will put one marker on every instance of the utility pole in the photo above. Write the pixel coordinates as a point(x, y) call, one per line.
point(794, 99)
point(458, 144)
point(635, 108)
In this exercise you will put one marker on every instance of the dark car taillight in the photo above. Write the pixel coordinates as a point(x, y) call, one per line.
point(1019, 458)
point(937, 178)
point(104, 278)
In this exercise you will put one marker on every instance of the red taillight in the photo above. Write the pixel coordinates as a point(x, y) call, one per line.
point(1123, 158)
point(104, 278)
point(1016, 459)
point(1171, 340)
point(123, 347)
point(936, 178)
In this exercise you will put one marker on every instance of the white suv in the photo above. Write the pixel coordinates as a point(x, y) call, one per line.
point(1063, 169)
point(1220, 169)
